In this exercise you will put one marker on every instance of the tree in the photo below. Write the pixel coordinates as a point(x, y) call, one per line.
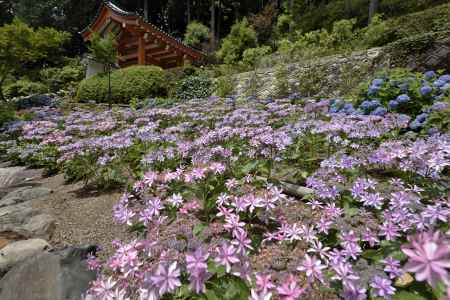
point(373, 9)
point(104, 51)
point(242, 36)
point(196, 34)
point(213, 23)
point(263, 22)
point(21, 45)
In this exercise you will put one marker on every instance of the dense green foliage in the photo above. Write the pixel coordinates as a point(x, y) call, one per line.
point(20, 45)
point(196, 34)
point(195, 86)
point(241, 37)
point(65, 77)
point(103, 49)
point(6, 114)
point(24, 87)
point(132, 82)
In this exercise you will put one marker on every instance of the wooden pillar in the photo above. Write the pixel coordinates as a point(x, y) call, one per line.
point(141, 51)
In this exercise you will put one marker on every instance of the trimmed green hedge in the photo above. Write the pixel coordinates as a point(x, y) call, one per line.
point(128, 83)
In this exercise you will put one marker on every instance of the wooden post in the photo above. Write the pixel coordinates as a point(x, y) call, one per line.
point(141, 51)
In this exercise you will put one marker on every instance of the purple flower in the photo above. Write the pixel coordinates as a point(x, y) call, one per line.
point(254, 295)
point(241, 241)
point(166, 279)
point(289, 289)
point(429, 257)
point(196, 262)
point(392, 266)
point(354, 293)
point(312, 267)
point(226, 256)
point(264, 282)
point(382, 287)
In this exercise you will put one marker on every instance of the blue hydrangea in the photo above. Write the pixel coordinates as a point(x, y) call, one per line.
point(377, 82)
point(348, 107)
point(446, 87)
point(403, 98)
point(415, 125)
point(426, 90)
point(439, 83)
point(445, 78)
point(430, 74)
point(365, 104)
point(334, 109)
point(379, 111)
point(421, 118)
point(433, 130)
point(393, 104)
point(373, 90)
point(404, 87)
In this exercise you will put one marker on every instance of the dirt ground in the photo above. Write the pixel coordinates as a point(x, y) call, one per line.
point(82, 217)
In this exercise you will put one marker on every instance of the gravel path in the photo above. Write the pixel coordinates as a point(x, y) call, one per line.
point(82, 217)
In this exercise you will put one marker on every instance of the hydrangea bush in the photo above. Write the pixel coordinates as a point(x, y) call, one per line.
point(205, 193)
point(415, 94)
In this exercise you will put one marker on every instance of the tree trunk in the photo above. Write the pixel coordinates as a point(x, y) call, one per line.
point(373, 8)
point(146, 10)
point(236, 10)
point(291, 12)
point(348, 8)
point(188, 8)
point(213, 24)
point(219, 23)
point(2, 97)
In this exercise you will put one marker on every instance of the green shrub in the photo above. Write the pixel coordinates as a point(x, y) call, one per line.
point(281, 81)
point(128, 83)
point(376, 34)
point(252, 56)
point(193, 87)
point(242, 36)
point(225, 85)
point(63, 77)
point(7, 114)
point(196, 34)
point(24, 87)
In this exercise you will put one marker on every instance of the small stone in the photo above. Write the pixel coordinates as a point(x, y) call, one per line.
point(404, 280)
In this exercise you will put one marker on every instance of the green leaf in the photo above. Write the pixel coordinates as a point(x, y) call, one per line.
point(210, 295)
point(405, 295)
point(198, 229)
point(247, 168)
point(372, 254)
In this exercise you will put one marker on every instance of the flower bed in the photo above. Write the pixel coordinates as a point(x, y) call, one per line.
point(202, 193)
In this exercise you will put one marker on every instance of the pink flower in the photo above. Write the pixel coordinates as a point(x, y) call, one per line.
point(312, 267)
point(289, 289)
point(226, 256)
point(254, 295)
point(429, 257)
point(196, 262)
point(166, 279)
point(264, 282)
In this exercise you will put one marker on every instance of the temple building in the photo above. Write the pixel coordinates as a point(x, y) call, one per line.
point(140, 42)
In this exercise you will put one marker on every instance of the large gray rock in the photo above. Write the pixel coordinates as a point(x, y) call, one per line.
point(26, 221)
point(61, 275)
point(8, 176)
point(16, 252)
point(24, 194)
